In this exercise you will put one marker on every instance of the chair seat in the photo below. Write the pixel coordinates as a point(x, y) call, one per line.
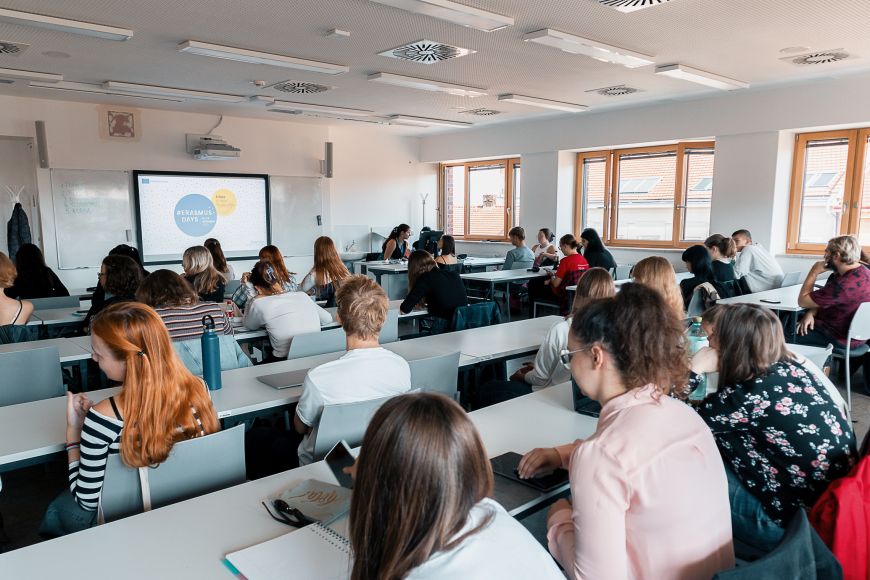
point(840, 351)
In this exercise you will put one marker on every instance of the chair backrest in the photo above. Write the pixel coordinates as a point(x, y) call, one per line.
point(231, 287)
point(791, 279)
point(475, 316)
point(623, 271)
point(56, 302)
point(859, 328)
point(15, 333)
point(390, 330)
point(696, 305)
point(320, 342)
point(374, 256)
point(30, 375)
point(817, 355)
point(437, 374)
point(194, 467)
point(232, 356)
point(343, 421)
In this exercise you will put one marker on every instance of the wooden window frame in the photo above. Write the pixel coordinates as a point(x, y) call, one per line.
point(509, 165)
point(611, 197)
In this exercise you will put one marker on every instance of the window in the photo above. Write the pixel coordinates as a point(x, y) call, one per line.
point(480, 199)
point(828, 186)
point(661, 199)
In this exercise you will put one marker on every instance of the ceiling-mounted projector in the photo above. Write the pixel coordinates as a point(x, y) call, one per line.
point(211, 148)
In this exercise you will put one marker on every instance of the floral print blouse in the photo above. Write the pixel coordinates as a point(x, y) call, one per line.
point(782, 435)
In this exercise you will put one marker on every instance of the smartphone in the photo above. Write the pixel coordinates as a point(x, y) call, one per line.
point(337, 459)
point(769, 301)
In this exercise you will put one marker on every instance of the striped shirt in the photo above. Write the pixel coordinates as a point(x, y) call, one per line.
point(185, 322)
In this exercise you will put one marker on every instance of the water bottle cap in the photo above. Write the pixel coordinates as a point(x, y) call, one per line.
point(208, 322)
point(697, 320)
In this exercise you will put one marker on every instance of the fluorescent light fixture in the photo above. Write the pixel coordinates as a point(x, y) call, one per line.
point(29, 75)
point(289, 107)
point(687, 73)
point(94, 89)
point(425, 121)
point(545, 103)
point(453, 12)
point(255, 57)
point(172, 92)
point(65, 25)
point(426, 85)
point(591, 48)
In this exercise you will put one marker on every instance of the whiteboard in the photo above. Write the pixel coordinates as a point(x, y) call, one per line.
point(296, 213)
point(91, 215)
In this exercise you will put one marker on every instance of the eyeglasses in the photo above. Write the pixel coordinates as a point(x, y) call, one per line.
point(288, 515)
point(566, 355)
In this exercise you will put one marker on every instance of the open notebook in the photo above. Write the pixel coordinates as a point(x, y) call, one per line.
point(315, 552)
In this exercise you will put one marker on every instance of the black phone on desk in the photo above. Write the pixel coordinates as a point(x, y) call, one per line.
point(338, 458)
point(506, 466)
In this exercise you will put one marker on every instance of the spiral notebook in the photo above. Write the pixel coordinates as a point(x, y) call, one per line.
point(315, 552)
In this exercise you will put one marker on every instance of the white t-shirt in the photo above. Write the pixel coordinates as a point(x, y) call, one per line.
point(360, 375)
point(761, 270)
point(284, 316)
point(502, 549)
point(549, 369)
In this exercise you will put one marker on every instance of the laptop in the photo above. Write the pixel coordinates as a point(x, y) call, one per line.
point(284, 380)
point(583, 404)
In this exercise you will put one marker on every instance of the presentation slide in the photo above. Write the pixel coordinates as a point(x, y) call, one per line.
point(176, 211)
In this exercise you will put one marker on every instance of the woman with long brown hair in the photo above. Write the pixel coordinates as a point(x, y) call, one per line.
point(324, 278)
point(287, 279)
point(160, 403)
point(628, 353)
point(199, 270)
point(441, 290)
point(220, 261)
point(420, 507)
point(657, 273)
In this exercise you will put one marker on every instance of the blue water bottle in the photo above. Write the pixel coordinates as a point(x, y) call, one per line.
point(211, 354)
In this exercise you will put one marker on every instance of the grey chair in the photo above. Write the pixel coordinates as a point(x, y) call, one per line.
point(859, 329)
point(696, 304)
point(30, 374)
point(390, 331)
point(343, 421)
point(437, 374)
point(791, 279)
point(320, 342)
point(817, 355)
point(623, 271)
point(194, 467)
point(56, 302)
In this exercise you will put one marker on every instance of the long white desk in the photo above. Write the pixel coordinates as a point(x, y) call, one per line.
point(506, 277)
point(70, 351)
point(191, 538)
point(784, 300)
point(59, 316)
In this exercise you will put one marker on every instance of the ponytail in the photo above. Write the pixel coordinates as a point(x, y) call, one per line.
point(725, 245)
point(570, 241)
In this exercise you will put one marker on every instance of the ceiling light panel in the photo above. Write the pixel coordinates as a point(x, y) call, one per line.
point(426, 85)
point(256, 57)
point(97, 90)
point(65, 25)
point(426, 121)
point(290, 107)
point(453, 12)
point(172, 92)
point(591, 48)
point(543, 103)
point(30, 75)
point(426, 52)
point(701, 77)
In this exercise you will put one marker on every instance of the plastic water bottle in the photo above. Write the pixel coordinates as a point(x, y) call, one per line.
point(211, 354)
point(697, 340)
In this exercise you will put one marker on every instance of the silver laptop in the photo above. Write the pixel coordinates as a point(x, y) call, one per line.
point(284, 380)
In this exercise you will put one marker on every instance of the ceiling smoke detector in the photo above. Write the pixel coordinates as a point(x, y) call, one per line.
point(631, 5)
point(13, 48)
point(426, 52)
point(481, 112)
point(819, 57)
point(615, 91)
point(300, 88)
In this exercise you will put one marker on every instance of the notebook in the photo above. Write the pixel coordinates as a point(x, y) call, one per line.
point(318, 500)
point(284, 380)
point(315, 552)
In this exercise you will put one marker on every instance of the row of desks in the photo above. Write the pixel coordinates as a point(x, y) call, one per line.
point(191, 538)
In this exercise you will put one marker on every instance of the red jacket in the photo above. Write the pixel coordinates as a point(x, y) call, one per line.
point(841, 516)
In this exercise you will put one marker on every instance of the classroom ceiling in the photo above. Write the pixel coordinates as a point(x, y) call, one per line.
point(740, 39)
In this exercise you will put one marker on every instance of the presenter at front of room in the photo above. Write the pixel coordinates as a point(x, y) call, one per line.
point(397, 247)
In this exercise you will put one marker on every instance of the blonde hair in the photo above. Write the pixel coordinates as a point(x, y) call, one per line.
point(362, 307)
point(328, 266)
point(846, 248)
point(199, 265)
point(657, 273)
point(8, 273)
point(595, 283)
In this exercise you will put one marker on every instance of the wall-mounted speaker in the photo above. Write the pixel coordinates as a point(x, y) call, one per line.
point(41, 145)
point(327, 163)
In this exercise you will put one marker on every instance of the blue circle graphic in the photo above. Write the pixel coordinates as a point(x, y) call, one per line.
point(195, 215)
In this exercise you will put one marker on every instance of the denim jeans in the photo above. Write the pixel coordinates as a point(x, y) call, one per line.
point(65, 516)
point(815, 337)
point(755, 533)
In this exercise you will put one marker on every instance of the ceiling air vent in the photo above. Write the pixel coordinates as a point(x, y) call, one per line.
point(481, 112)
point(615, 91)
point(631, 5)
point(427, 52)
point(13, 48)
point(819, 57)
point(298, 88)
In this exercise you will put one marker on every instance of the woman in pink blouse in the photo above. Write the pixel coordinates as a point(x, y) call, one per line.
point(650, 495)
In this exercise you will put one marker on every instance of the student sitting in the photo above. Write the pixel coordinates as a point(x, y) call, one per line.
point(160, 403)
point(647, 451)
point(396, 246)
point(545, 252)
point(442, 291)
point(246, 290)
point(754, 265)
point(177, 304)
point(722, 251)
point(35, 279)
point(780, 433)
point(99, 294)
point(219, 260)
point(548, 370)
point(366, 372)
point(657, 273)
point(594, 251)
point(328, 272)
point(120, 277)
point(830, 309)
point(199, 270)
point(699, 264)
point(571, 267)
point(283, 314)
point(420, 508)
point(521, 257)
point(446, 251)
point(12, 312)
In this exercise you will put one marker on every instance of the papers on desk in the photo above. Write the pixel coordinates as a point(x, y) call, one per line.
point(318, 500)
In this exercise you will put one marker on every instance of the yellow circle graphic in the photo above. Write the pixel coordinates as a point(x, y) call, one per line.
point(224, 201)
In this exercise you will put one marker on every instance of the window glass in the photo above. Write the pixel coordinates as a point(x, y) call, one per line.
point(594, 193)
point(645, 199)
point(454, 200)
point(821, 197)
point(486, 201)
point(696, 211)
